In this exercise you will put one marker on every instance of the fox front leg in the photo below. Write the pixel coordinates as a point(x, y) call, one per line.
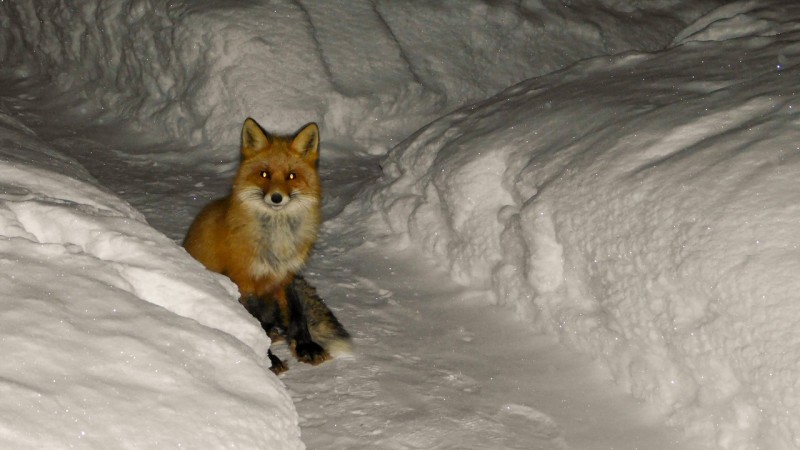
point(300, 342)
point(276, 365)
point(268, 315)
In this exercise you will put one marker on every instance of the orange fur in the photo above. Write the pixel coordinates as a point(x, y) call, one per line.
point(258, 242)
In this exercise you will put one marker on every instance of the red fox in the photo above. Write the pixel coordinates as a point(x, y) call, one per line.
point(261, 235)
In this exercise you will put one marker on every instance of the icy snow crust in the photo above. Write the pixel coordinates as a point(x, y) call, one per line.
point(644, 207)
point(368, 71)
point(111, 335)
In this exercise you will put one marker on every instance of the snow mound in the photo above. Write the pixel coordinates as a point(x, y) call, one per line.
point(369, 71)
point(112, 335)
point(644, 207)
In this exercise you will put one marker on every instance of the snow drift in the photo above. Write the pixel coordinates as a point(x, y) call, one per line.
point(112, 334)
point(642, 206)
point(369, 71)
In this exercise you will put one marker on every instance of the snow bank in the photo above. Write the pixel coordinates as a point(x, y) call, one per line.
point(369, 71)
point(642, 206)
point(112, 335)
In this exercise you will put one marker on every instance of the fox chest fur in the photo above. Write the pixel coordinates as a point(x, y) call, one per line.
point(262, 233)
point(281, 244)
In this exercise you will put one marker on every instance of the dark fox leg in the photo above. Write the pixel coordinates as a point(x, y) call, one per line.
point(268, 314)
point(276, 365)
point(304, 348)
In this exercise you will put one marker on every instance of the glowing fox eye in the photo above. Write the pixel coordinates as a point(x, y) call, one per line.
point(291, 176)
point(264, 174)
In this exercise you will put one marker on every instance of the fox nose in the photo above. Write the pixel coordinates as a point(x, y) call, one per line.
point(276, 198)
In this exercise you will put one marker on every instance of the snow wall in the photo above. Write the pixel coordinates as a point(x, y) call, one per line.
point(645, 208)
point(112, 335)
point(369, 72)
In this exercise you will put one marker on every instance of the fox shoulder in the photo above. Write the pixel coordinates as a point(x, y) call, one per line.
point(208, 230)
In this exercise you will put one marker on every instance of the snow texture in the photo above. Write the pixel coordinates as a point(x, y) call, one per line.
point(643, 207)
point(112, 335)
point(640, 205)
point(368, 71)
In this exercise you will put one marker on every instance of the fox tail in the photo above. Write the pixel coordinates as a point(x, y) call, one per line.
point(325, 329)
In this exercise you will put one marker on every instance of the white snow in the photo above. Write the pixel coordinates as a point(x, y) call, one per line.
point(111, 336)
point(642, 207)
point(369, 71)
point(621, 178)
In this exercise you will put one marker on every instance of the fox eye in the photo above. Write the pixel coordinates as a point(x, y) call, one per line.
point(264, 174)
point(291, 176)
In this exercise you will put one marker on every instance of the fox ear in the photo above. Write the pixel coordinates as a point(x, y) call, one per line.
point(254, 138)
point(306, 142)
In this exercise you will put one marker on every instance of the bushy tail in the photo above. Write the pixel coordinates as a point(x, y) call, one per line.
point(325, 329)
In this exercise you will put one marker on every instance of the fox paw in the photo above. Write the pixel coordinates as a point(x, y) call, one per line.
point(310, 353)
point(278, 366)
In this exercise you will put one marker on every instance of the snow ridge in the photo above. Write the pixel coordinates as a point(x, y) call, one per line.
point(195, 71)
point(658, 232)
point(112, 334)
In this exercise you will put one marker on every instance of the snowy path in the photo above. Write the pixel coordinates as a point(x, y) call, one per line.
point(435, 370)
point(434, 366)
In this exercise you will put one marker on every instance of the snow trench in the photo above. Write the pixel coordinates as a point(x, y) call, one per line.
point(527, 194)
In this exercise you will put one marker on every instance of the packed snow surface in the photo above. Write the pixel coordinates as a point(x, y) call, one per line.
point(639, 205)
point(642, 206)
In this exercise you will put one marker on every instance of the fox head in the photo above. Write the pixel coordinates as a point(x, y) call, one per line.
point(278, 174)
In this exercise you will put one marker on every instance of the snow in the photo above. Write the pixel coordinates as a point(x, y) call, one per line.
point(110, 332)
point(619, 178)
point(367, 71)
point(651, 224)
